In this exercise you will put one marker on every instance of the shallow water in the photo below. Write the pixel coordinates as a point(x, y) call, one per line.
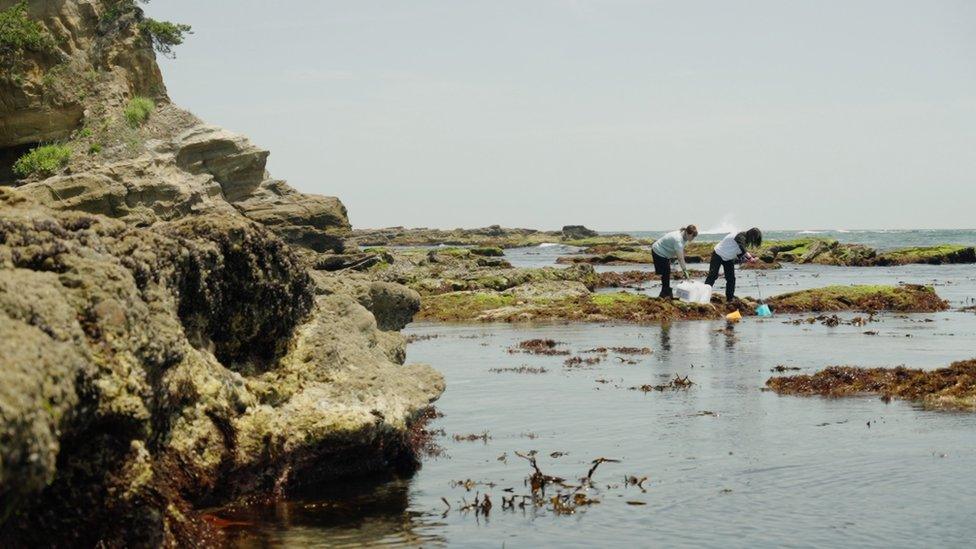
point(956, 283)
point(764, 470)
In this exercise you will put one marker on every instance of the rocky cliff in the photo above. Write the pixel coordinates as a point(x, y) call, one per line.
point(165, 344)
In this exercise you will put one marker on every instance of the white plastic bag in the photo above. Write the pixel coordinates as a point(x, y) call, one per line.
point(693, 291)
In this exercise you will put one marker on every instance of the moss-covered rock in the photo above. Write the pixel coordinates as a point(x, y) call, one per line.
point(933, 255)
point(558, 303)
point(156, 371)
point(905, 298)
point(614, 257)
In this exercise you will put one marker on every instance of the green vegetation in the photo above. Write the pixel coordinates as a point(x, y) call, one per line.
point(95, 148)
point(20, 34)
point(164, 35)
point(458, 306)
point(616, 298)
point(161, 35)
point(138, 110)
point(931, 254)
point(494, 306)
point(907, 298)
point(44, 160)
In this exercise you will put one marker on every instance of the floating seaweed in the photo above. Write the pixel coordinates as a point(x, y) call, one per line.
point(483, 436)
point(540, 347)
point(675, 384)
point(469, 484)
point(634, 481)
point(833, 320)
point(781, 368)
point(632, 350)
point(520, 370)
point(413, 338)
point(579, 361)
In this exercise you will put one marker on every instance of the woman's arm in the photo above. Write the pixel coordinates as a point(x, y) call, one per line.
point(681, 262)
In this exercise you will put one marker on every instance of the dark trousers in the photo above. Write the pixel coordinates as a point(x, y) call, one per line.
point(662, 266)
point(728, 267)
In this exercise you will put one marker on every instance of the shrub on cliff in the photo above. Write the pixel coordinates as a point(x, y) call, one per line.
point(164, 35)
point(138, 110)
point(20, 34)
point(44, 160)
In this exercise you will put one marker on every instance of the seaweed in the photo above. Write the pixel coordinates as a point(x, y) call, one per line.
point(678, 383)
point(945, 388)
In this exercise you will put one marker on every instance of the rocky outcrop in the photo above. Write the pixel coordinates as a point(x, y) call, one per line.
point(165, 342)
point(195, 170)
point(150, 372)
point(44, 98)
point(907, 298)
point(573, 232)
point(171, 166)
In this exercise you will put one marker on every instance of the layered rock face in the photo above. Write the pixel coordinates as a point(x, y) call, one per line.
point(165, 342)
point(195, 169)
point(34, 108)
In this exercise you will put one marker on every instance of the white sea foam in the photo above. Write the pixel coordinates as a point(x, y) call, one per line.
point(726, 225)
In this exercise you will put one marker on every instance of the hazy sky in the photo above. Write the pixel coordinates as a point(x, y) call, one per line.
point(612, 113)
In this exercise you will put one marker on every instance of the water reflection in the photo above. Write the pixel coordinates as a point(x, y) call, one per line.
point(342, 515)
point(666, 337)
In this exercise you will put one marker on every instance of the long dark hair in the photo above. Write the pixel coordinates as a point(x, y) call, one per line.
point(754, 237)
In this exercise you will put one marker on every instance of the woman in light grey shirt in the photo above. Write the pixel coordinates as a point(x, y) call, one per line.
point(670, 247)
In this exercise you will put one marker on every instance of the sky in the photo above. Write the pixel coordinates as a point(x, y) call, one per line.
point(616, 114)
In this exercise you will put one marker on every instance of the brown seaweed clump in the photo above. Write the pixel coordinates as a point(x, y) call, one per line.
point(540, 347)
point(948, 388)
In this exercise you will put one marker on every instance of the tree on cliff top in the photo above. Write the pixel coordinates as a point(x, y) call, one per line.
point(162, 35)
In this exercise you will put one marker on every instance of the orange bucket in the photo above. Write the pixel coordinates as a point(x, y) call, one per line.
point(734, 316)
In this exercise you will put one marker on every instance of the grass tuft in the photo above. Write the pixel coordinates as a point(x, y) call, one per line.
point(138, 110)
point(43, 160)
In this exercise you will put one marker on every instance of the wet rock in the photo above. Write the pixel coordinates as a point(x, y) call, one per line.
point(574, 232)
point(933, 255)
point(393, 305)
point(905, 298)
point(155, 371)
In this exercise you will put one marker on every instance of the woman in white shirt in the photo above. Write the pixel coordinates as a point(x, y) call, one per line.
point(667, 248)
point(729, 251)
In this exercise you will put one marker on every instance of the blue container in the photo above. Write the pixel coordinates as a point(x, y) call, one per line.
point(764, 310)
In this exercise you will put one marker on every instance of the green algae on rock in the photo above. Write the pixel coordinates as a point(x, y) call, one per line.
point(905, 298)
point(160, 370)
point(946, 388)
point(934, 255)
point(569, 301)
point(578, 305)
